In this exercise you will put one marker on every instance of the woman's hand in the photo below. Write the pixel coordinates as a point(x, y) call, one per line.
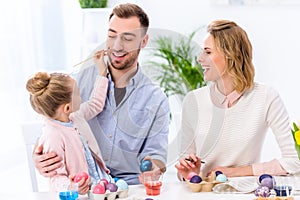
point(99, 61)
point(46, 163)
point(188, 165)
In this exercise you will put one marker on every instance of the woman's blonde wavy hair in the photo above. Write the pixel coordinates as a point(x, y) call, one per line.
point(234, 43)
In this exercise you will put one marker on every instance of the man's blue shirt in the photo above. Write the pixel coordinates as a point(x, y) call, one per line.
point(137, 127)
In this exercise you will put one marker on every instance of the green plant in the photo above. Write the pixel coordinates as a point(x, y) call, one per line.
point(177, 69)
point(93, 3)
point(296, 136)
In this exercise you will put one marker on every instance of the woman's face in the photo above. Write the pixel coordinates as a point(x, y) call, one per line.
point(212, 60)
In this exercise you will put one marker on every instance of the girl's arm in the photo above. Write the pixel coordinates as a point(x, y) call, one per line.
point(96, 102)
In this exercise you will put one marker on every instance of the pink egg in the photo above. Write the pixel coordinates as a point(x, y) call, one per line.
point(190, 175)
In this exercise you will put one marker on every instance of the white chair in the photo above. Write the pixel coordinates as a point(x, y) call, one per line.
point(31, 132)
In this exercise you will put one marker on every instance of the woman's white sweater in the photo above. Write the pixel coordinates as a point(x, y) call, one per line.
point(240, 132)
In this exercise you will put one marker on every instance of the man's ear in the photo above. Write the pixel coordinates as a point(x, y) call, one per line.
point(145, 41)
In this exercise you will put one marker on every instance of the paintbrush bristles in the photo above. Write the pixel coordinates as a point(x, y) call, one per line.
point(105, 53)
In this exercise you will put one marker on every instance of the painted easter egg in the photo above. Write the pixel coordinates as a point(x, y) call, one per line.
point(122, 184)
point(221, 178)
point(146, 165)
point(196, 179)
point(191, 174)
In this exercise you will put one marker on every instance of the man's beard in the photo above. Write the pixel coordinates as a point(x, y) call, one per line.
point(132, 56)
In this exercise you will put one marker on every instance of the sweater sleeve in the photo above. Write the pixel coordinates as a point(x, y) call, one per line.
point(187, 127)
point(53, 142)
point(96, 102)
point(278, 120)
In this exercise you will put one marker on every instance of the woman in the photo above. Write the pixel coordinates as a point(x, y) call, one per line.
point(226, 122)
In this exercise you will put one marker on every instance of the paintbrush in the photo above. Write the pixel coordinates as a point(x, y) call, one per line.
point(191, 160)
point(81, 62)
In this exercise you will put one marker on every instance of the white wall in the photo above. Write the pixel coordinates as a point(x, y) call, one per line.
point(273, 30)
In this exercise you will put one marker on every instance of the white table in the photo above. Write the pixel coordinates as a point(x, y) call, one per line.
point(169, 191)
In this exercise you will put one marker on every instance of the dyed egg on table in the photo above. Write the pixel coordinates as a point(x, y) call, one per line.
point(261, 177)
point(122, 184)
point(266, 180)
point(218, 172)
point(221, 178)
point(262, 191)
point(112, 187)
point(196, 179)
point(99, 189)
point(191, 174)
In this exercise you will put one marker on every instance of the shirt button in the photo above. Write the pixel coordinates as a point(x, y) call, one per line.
point(110, 136)
point(105, 159)
point(110, 91)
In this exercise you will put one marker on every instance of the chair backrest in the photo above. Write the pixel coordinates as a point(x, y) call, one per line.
point(31, 132)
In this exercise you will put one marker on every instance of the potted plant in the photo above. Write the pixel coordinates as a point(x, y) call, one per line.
point(176, 68)
point(93, 3)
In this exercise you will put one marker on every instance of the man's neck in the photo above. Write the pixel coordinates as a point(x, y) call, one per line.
point(122, 78)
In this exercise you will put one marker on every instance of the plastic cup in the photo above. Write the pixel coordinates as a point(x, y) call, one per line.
point(68, 195)
point(152, 183)
point(70, 192)
point(153, 188)
point(283, 190)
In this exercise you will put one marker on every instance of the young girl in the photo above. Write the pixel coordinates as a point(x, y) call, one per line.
point(56, 96)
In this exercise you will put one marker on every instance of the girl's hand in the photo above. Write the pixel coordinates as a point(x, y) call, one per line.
point(83, 185)
point(99, 61)
point(188, 165)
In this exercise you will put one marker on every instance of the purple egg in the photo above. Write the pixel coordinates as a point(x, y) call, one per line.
point(111, 187)
point(196, 179)
point(218, 172)
point(268, 182)
point(262, 191)
point(261, 177)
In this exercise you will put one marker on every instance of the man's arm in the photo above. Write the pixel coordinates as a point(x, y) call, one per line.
point(46, 163)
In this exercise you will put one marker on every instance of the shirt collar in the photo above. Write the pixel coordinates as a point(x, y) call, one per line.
point(134, 80)
point(226, 100)
point(67, 124)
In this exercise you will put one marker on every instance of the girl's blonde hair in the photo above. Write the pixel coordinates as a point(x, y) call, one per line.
point(49, 91)
point(234, 43)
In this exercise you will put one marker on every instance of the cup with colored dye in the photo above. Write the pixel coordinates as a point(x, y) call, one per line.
point(283, 190)
point(69, 193)
point(153, 182)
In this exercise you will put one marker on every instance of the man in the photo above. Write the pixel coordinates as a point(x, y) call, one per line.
point(134, 122)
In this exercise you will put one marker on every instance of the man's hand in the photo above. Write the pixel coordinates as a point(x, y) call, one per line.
point(158, 168)
point(47, 163)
